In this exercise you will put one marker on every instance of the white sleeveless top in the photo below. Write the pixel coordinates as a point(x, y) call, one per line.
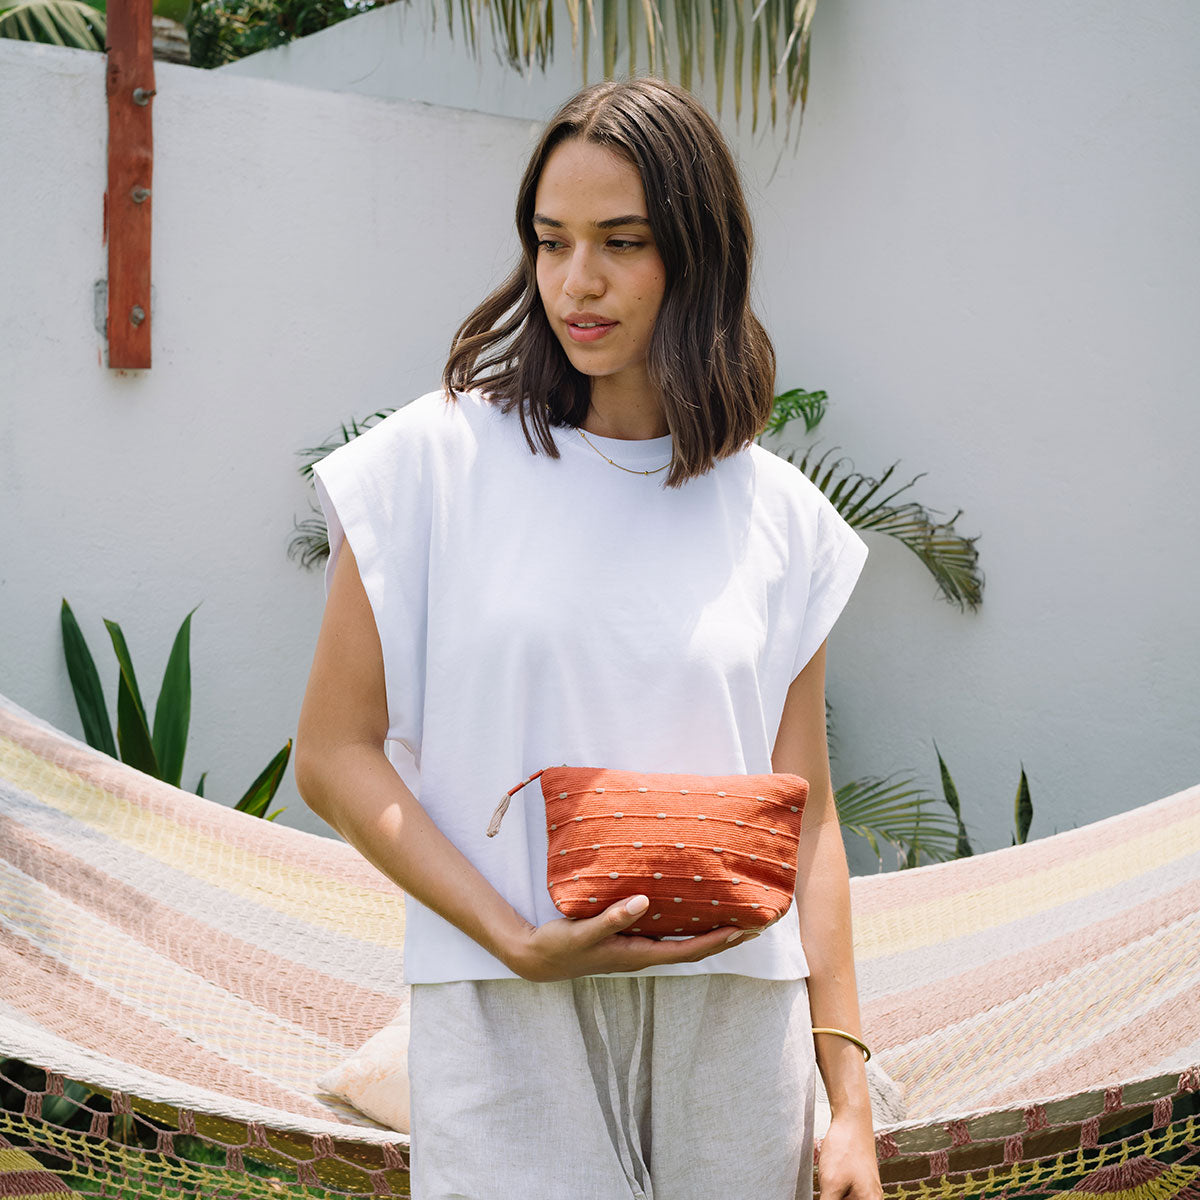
point(535, 611)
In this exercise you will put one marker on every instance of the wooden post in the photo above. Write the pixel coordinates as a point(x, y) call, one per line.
point(130, 88)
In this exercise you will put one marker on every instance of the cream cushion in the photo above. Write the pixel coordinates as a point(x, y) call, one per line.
point(374, 1079)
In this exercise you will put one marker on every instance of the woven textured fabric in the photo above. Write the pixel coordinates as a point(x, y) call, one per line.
point(200, 969)
point(707, 850)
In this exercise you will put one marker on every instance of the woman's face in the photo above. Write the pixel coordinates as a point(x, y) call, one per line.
point(599, 273)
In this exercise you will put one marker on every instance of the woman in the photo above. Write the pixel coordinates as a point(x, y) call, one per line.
point(576, 553)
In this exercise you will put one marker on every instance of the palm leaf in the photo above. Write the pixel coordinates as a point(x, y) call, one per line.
point(85, 683)
point(797, 404)
point(608, 25)
point(58, 22)
point(347, 433)
point(866, 503)
point(779, 32)
point(310, 542)
point(896, 811)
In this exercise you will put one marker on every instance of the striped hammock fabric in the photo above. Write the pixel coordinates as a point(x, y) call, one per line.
point(197, 970)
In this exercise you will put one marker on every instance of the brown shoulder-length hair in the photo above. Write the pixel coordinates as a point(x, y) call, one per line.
point(710, 357)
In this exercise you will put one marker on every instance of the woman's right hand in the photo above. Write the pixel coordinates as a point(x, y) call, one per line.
point(568, 949)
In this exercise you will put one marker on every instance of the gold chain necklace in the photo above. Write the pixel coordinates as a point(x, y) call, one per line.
point(608, 460)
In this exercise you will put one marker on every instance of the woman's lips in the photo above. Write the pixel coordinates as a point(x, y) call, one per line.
point(589, 331)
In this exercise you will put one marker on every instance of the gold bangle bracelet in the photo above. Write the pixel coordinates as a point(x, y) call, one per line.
point(850, 1038)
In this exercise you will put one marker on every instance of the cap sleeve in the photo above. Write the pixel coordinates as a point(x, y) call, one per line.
point(374, 496)
point(835, 560)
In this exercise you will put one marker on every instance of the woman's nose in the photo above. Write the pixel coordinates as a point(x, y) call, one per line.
point(583, 276)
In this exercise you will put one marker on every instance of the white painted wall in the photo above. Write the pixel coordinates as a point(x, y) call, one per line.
point(984, 248)
point(312, 254)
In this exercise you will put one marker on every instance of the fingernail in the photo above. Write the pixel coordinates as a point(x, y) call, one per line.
point(637, 904)
point(737, 935)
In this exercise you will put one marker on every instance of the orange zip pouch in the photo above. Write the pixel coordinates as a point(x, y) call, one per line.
point(707, 850)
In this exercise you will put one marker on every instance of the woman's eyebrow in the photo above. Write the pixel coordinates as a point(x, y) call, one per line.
point(608, 223)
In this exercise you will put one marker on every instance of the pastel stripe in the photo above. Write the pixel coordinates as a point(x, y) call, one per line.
point(916, 926)
point(162, 943)
point(76, 1010)
point(240, 870)
point(995, 970)
point(289, 986)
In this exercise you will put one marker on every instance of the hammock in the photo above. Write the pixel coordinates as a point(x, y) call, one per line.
point(197, 970)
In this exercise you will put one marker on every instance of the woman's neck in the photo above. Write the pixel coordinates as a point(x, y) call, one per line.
point(630, 417)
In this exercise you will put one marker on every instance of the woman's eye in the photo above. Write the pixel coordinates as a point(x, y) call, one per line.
point(549, 244)
point(622, 244)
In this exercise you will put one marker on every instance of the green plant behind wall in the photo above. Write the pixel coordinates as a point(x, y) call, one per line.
point(1022, 808)
point(873, 503)
point(156, 749)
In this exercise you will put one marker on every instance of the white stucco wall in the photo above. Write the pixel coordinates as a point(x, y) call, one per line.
point(984, 248)
point(312, 254)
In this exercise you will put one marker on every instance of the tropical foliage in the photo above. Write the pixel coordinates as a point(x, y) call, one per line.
point(157, 750)
point(221, 31)
point(57, 22)
point(1022, 808)
point(756, 49)
point(873, 503)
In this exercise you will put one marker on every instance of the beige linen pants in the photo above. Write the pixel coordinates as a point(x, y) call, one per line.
point(692, 1087)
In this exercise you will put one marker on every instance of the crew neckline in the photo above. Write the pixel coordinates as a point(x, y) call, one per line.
point(621, 450)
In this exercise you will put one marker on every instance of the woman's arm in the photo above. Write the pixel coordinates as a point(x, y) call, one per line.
point(345, 777)
point(847, 1166)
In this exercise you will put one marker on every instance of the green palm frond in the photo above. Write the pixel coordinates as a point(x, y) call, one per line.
point(699, 30)
point(310, 541)
point(896, 811)
point(310, 538)
point(57, 22)
point(866, 503)
point(797, 404)
point(346, 433)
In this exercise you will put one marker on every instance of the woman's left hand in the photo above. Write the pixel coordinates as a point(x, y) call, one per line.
point(847, 1169)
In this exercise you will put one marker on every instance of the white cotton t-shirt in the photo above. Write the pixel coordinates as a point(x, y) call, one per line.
point(534, 611)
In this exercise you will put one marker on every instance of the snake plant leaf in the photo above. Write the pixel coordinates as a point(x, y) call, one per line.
point(199, 788)
point(1022, 810)
point(963, 848)
point(173, 711)
point(133, 731)
point(259, 794)
point(57, 22)
point(85, 683)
